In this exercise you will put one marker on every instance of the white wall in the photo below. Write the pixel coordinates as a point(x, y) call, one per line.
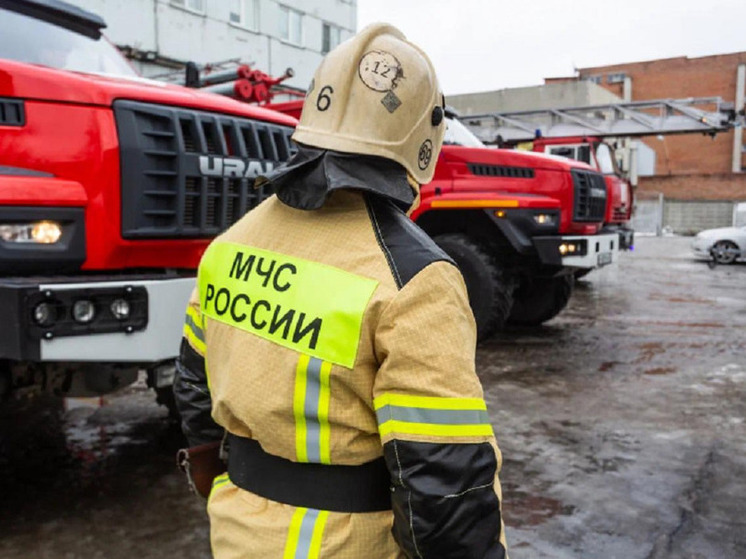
point(547, 96)
point(170, 31)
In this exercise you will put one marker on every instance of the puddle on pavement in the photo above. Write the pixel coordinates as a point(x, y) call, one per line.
point(660, 371)
point(525, 509)
point(80, 456)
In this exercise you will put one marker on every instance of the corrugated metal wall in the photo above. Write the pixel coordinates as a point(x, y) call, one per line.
point(684, 217)
point(690, 216)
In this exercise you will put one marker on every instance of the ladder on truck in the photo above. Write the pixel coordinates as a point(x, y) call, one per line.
point(707, 115)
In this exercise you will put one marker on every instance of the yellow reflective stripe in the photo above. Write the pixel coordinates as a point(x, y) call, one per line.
point(220, 480)
point(197, 344)
point(196, 317)
point(194, 329)
point(434, 430)
point(306, 306)
point(299, 408)
point(324, 397)
point(428, 402)
point(311, 397)
point(291, 545)
point(318, 533)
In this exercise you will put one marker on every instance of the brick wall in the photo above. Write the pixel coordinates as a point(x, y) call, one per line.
point(719, 186)
point(689, 154)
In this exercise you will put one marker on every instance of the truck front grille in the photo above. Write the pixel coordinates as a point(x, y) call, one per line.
point(487, 170)
point(188, 173)
point(12, 112)
point(590, 196)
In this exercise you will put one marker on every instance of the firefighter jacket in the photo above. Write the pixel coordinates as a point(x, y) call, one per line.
point(331, 330)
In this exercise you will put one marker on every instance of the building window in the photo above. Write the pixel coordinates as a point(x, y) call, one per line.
point(197, 6)
point(594, 79)
point(331, 36)
point(244, 13)
point(616, 78)
point(291, 25)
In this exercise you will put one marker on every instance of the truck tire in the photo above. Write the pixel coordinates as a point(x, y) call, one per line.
point(489, 287)
point(540, 299)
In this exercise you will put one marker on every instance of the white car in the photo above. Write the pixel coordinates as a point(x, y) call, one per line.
point(726, 244)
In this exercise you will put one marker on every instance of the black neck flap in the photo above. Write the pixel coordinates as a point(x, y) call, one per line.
point(311, 175)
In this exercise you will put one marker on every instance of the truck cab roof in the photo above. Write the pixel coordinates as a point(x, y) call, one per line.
point(57, 12)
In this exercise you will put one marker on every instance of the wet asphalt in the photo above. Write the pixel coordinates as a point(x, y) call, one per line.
point(621, 422)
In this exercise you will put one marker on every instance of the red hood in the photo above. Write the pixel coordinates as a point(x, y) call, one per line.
point(512, 158)
point(30, 81)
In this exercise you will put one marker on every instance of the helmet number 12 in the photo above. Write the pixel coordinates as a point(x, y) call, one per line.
point(324, 101)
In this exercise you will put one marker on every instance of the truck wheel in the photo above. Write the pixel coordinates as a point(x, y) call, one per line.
point(489, 287)
point(540, 299)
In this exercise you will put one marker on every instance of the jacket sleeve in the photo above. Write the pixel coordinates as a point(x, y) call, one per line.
point(191, 384)
point(437, 438)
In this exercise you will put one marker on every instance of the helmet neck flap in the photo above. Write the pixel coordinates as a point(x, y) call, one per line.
point(312, 175)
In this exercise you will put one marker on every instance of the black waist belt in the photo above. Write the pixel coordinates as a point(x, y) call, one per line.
point(364, 488)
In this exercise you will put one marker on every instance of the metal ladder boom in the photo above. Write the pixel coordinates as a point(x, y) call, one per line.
point(707, 115)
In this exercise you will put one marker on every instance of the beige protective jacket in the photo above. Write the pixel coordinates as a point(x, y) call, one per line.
point(336, 336)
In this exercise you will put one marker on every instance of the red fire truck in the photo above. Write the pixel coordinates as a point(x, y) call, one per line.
point(600, 155)
point(598, 135)
point(111, 187)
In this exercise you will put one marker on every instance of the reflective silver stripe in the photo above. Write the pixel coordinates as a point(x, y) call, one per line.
point(306, 533)
point(432, 416)
point(311, 410)
point(199, 334)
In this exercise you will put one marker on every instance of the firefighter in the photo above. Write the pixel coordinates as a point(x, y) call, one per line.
point(333, 343)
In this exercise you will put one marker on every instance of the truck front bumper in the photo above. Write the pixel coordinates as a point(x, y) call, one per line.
point(150, 333)
point(578, 251)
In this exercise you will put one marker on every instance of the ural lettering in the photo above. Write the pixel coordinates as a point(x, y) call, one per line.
point(232, 167)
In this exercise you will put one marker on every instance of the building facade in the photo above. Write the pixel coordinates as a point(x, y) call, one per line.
point(159, 36)
point(548, 96)
point(701, 178)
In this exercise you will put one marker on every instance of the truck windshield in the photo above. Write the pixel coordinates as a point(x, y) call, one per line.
point(459, 135)
point(25, 39)
point(605, 159)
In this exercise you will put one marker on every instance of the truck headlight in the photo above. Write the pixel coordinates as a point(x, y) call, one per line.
point(544, 219)
point(120, 308)
point(44, 314)
point(40, 232)
point(575, 248)
point(84, 311)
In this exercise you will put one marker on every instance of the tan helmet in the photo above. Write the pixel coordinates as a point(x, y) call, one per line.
point(377, 94)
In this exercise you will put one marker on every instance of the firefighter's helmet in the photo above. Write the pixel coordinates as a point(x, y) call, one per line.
point(377, 94)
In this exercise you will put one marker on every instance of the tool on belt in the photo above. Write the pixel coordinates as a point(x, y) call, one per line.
point(201, 464)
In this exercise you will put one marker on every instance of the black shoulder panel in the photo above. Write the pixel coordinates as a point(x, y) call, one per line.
point(407, 248)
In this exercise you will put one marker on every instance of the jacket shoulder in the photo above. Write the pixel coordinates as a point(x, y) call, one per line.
point(407, 248)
